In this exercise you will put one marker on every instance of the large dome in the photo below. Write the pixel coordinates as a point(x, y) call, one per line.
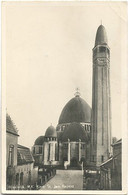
point(74, 132)
point(76, 110)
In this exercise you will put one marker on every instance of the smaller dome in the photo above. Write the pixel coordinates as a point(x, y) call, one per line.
point(51, 132)
point(74, 132)
point(39, 140)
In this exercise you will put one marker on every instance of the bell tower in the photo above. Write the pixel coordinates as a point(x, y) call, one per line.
point(101, 100)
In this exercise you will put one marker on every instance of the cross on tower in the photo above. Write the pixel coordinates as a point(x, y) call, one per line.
point(77, 93)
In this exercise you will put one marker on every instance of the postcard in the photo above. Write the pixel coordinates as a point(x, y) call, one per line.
point(64, 97)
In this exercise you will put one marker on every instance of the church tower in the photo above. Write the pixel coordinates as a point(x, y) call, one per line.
point(101, 101)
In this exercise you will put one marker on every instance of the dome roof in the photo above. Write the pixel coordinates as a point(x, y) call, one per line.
point(74, 132)
point(39, 140)
point(51, 132)
point(101, 36)
point(76, 110)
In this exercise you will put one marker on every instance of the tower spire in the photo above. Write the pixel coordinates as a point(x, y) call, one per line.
point(101, 36)
point(101, 105)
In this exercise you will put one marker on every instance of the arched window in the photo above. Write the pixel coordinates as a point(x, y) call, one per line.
point(65, 145)
point(88, 128)
point(17, 179)
point(49, 153)
point(56, 152)
point(29, 177)
point(102, 158)
point(21, 179)
point(40, 150)
point(33, 150)
point(11, 155)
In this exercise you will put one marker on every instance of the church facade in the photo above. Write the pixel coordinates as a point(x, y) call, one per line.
point(69, 143)
point(82, 135)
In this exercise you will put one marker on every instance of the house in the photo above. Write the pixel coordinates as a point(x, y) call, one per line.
point(21, 171)
point(111, 172)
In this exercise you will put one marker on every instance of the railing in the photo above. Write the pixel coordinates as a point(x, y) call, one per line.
point(47, 174)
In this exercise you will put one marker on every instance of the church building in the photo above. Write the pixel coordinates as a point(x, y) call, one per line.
point(82, 135)
point(70, 141)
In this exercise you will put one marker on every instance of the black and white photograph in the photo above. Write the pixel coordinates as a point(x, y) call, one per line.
point(64, 77)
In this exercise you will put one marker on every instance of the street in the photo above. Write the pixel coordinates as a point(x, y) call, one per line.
point(65, 180)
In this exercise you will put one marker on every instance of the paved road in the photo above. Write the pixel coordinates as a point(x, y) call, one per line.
point(65, 180)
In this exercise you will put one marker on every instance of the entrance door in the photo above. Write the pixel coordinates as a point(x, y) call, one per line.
point(74, 162)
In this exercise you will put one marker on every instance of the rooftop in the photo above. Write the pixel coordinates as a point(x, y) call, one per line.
point(10, 126)
point(24, 155)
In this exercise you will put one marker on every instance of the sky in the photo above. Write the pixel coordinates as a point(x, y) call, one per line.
point(48, 49)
